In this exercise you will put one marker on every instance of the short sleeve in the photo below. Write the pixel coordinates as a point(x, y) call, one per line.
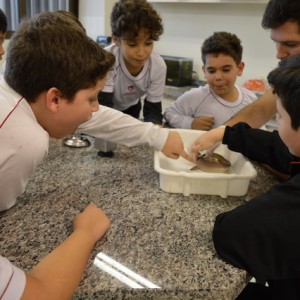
point(12, 280)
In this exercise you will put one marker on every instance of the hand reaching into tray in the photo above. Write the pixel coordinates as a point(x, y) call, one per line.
point(207, 142)
point(174, 147)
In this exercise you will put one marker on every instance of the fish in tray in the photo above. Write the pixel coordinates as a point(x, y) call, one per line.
point(214, 163)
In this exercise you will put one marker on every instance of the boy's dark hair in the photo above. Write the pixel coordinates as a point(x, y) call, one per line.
point(129, 16)
point(48, 51)
point(285, 81)
point(71, 17)
point(3, 22)
point(225, 43)
point(278, 12)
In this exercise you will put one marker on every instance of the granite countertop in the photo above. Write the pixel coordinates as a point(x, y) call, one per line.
point(163, 237)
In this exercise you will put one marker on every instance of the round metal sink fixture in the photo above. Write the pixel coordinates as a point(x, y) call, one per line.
point(76, 141)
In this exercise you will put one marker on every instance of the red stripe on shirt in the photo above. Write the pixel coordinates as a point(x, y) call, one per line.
point(10, 113)
point(7, 285)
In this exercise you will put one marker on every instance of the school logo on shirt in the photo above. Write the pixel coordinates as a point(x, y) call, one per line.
point(130, 90)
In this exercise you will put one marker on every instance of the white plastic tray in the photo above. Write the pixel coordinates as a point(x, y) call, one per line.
point(176, 177)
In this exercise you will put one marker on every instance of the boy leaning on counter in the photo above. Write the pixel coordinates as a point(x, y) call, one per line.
point(25, 127)
point(262, 236)
point(52, 77)
point(138, 70)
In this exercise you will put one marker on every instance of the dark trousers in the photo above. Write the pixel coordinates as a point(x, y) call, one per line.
point(134, 110)
point(277, 290)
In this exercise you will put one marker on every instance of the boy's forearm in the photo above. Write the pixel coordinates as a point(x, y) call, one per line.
point(118, 127)
point(257, 113)
point(59, 273)
point(106, 99)
point(153, 112)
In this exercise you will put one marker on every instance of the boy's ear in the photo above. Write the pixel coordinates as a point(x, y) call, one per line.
point(241, 67)
point(52, 99)
point(203, 70)
point(116, 40)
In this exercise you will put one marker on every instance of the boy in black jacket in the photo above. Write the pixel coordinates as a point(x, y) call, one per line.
point(262, 236)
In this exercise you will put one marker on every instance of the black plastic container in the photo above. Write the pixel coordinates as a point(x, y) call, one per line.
point(179, 70)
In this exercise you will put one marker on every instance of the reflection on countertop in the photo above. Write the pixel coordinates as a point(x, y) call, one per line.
point(164, 238)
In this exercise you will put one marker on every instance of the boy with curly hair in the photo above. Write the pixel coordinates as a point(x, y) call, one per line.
point(138, 71)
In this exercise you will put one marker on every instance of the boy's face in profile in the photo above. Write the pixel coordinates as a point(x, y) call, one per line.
point(136, 52)
point(63, 116)
point(221, 71)
point(290, 136)
point(2, 37)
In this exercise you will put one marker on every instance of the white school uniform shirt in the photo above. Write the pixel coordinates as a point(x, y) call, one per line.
point(12, 280)
point(24, 143)
point(203, 101)
point(128, 89)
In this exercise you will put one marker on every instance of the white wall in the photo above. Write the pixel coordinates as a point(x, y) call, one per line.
point(187, 25)
point(94, 16)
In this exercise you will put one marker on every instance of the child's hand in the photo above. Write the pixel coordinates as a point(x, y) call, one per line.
point(203, 123)
point(207, 141)
point(174, 147)
point(92, 221)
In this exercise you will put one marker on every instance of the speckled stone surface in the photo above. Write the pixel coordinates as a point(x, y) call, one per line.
point(163, 237)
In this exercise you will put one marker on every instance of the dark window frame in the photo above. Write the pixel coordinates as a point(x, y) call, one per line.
point(18, 9)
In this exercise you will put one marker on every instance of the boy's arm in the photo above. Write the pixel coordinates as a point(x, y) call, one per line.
point(59, 273)
point(152, 112)
point(258, 235)
point(257, 113)
point(208, 140)
point(180, 114)
point(177, 115)
point(112, 125)
point(258, 145)
point(106, 99)
point(115, 126)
